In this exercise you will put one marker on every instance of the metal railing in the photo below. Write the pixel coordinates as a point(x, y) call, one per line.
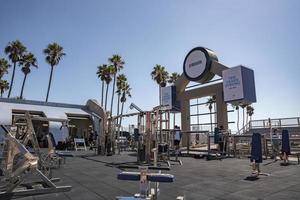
point(274, 123)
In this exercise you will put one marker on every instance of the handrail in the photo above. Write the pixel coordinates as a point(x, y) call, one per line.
point(265, 123)
point(276, 119)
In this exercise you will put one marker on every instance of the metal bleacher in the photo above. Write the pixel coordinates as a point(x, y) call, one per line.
point(267, 126)
point(291, 124)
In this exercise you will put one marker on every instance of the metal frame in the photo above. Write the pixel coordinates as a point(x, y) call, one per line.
point(147, 190)
point(17, 164)
point(184, 96)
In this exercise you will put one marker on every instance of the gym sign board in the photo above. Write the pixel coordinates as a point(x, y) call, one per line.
point(168, 96)
point(239, 85)
point(197, 64)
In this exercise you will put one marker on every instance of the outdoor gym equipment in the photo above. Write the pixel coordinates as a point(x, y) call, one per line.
point(164, 136)
point(48, 160)
point(285, 148)
point(153, 136)
point(256, 152)
point(17, 164)
point(212, 146)
point(133, 106)
point(56, 156)
point(147, 179)
point(256, 157)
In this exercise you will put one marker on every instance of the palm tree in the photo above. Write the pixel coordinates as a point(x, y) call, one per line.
point(160, 76)
point(101, 76)
point(54, 53)
point(243, 106)
point(250, 112)
point(4, 65)
point(121, 80)
point(15, 51)
point(27, 61)
point(173, 78)
point(236, 107)
point(4, 85)
point(117, 62)
point(108, 72)
point(125, 92)
point(210, 102)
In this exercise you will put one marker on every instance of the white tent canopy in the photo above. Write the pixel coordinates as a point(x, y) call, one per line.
point(6, 110)
point(60, 133)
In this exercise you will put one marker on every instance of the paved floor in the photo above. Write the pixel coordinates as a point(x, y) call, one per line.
point(197, 179)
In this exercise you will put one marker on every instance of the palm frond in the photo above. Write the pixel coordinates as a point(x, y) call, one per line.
point(173, 78)
point(4, 65)
point(54, 53)
point(117, 61)
point(15, 50)
point(159, 74)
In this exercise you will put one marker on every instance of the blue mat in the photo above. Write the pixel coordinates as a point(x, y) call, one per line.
point(216, 136)
point(285, 142)
point(256, 150)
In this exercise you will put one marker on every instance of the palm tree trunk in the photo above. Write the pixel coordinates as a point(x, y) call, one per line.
point(23, 84)
point(248, 121)
point(121, 116)
point(238, 120)
point(102, 92)
point(106, 96)
point(112, 95)
point(159, 95)
point(211, 126)
point(118, 110)
point(243, 119)
point(1, 93)
point(49, 85)
point(12, 80)
point(174, 120)
point(119, 125)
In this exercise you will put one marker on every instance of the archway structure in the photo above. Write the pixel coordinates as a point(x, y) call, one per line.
point(201, 65)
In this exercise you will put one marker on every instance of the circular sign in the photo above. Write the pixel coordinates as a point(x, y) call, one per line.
point(197, 63)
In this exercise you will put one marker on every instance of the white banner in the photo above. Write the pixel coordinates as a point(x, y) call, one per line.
point(233, 84)
point(59, 132)
point(166, 96)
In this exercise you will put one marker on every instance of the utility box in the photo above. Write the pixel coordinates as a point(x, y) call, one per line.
point(239, 85)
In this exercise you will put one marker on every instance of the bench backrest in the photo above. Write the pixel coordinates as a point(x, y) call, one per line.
point(79, 144)
point(152, 177)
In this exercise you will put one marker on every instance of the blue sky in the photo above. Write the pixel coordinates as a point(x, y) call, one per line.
point(263, 35)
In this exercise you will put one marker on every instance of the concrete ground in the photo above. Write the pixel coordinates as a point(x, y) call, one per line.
point(199, 179)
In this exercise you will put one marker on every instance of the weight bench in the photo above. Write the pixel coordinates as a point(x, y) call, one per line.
point(152, 177)
point(256, 158)
point(57, 155)
point(145, 179)
point(64, 155)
